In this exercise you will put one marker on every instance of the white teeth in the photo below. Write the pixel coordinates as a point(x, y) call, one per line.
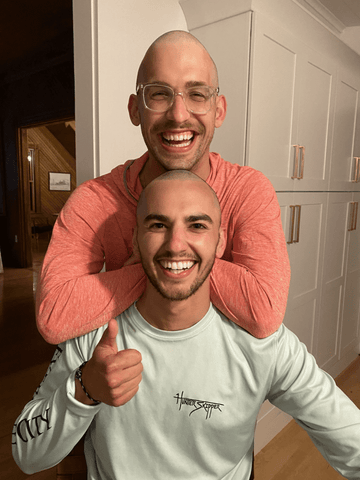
point(185, 144)
point(178, 137)
point(176, 267)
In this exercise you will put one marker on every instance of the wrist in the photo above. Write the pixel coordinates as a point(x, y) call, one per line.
point(81, 394)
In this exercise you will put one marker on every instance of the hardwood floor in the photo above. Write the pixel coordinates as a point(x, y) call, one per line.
point(291, 455)
point(25, 356)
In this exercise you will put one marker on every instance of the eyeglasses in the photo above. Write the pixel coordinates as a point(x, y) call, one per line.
point(160, 98)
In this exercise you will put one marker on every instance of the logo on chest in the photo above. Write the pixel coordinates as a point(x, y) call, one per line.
point(198, 405)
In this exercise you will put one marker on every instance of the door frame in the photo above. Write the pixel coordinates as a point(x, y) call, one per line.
point(24, 238)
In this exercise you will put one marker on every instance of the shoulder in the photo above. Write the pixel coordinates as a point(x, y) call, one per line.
point(237, 179)
point(258, 353)
point(108, 181)
point(100, 192)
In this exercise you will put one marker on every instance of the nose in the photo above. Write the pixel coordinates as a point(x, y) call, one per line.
point(178, 111)
point(176, 240)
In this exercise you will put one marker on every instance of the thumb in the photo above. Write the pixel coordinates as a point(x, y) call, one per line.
point(108, 340)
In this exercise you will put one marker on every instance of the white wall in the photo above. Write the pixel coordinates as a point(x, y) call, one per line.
point(110, 40)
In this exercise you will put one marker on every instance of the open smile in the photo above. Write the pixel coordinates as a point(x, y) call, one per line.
point(177, 268)
point(178, 139)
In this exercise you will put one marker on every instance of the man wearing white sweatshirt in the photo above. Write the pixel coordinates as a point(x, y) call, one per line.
point(171, 389)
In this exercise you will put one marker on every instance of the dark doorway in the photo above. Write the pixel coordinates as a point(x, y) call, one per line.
point(46, 153)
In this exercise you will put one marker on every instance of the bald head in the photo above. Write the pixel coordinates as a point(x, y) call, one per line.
point(180, 43)
point(177, 175)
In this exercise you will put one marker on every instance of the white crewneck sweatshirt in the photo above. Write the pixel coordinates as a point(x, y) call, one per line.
point(194, 415)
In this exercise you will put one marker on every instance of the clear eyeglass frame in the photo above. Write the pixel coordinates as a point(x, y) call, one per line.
point(213, 92)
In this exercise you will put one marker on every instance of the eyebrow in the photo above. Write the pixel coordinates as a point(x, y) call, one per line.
point(190, 83)
point(202, 217)
point(190, 219)
point(156, 216)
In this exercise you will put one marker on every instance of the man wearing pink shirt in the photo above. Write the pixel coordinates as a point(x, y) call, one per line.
point(178, 106)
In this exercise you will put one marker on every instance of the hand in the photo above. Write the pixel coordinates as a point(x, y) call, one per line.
point(110, 376)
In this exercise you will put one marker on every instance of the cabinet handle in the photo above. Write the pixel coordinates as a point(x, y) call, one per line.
point(356, 207)
point(298, 207)
point(356, 170)
point(292, 207)
point(296, 166)
point(302, 161)
point(351, 228)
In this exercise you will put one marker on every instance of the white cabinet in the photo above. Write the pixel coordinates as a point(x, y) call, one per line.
point(273, 104)
point(229, 140)
point(349, 337)
point(334, 274)
point(294, 114)
point(290, 110)
point(345, 169)
point(303, 219)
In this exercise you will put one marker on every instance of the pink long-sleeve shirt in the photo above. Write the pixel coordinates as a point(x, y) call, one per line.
point(249, 284)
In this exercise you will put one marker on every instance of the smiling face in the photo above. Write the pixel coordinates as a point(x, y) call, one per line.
point(178, 237)
point(177, 138)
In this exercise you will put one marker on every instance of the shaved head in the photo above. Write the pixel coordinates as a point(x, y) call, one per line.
point(186, 42)
point(183, 175)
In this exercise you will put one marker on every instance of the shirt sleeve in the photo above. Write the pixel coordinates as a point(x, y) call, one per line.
point(304, 391)
point(250, 286)
point(53, 422)
point(74, 296)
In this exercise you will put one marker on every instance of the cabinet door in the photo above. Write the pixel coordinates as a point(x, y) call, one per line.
point(350, 320)
point(290, 111)
point(273, 103)
point(343, 163)
point(316, 76)
point(333, 282)
point(303, 215)
point(231, 56)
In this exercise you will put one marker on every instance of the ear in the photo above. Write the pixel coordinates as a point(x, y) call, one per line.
point(133, 109)
point(220, 248)
point(220, 112)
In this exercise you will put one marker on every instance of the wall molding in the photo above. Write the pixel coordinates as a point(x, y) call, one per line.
point(318, 11)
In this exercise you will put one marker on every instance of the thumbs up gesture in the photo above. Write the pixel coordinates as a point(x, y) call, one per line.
point(110, 376)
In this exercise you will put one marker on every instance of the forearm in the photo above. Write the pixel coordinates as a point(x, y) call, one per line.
point(254, 300)
point(67, 308)
point(49, 428)
point(250, 283)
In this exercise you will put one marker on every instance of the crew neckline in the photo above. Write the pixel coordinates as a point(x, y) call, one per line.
point(139, 322)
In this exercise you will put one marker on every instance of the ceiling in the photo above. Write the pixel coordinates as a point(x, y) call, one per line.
point(33, 28)
point(41, 29)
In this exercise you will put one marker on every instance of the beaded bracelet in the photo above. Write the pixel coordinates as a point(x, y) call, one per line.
point(78, 375)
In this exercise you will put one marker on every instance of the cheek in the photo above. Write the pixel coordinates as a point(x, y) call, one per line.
point(149, 245)
point(205, 246)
